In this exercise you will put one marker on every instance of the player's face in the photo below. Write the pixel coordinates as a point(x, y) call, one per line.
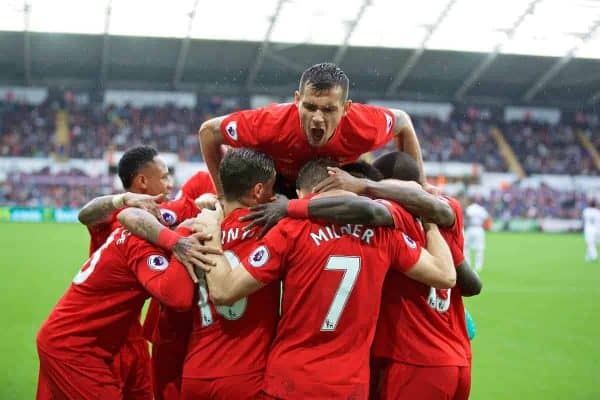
point(320, 113)
point(265, 191)
point(156, 178)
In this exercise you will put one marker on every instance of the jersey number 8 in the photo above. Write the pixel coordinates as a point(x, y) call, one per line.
point(232, 312)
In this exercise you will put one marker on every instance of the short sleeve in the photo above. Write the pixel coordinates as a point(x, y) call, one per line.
point(176, 211)
point(265, 261)
point(375, 122)
point(199, 184)
point(402, 218)
point(146, 260)
point(239, 129)
point(165, 279)
point(405, 251)
point(453, 235)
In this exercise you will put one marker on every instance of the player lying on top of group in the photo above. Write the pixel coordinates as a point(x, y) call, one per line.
point(321, 123)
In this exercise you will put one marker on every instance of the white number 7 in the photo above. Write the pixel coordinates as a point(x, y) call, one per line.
point(351, 268)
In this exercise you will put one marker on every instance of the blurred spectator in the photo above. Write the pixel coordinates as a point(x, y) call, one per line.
point(534, 203)
point(28, 131)
point(459, 140)
point(546, 149)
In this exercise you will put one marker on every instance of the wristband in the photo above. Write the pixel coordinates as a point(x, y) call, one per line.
point(298, 209)
point(167, 239)
point(118, 201)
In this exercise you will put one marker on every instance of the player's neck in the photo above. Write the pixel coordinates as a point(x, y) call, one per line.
point(231, 206)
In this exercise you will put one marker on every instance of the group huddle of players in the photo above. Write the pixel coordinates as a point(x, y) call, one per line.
point(352, 290)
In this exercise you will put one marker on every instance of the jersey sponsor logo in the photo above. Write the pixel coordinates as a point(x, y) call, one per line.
point(168, 216)
point(389, 121)
point(259, 257)
point(156, 262)
point(409, 242)
point(231, 130)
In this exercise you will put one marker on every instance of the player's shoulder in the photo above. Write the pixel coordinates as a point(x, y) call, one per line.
point(372, 114)
point(454, 203)
point(175, 211)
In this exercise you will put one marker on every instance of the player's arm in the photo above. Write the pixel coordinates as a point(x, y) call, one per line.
point(211, 139)
point(467, 280)
point(408, 194)
point(226, 285)
point(189, 250)
point(434, 266)
point(406, 138)
point(416, 200)
point(166, 280)
point(100, 209)
point(337, 207)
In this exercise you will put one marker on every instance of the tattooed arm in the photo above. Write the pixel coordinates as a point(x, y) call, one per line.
point(189, 250)
point(100, 209)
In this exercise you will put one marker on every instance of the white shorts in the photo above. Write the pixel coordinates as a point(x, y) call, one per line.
point(475, 238)
point(592, 236)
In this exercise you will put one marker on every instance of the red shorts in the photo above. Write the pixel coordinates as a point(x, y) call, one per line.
point(404, 381)
point(169, 331)
point(239, 387)
point(82, 380)
point(167, 368)
point(132, 365)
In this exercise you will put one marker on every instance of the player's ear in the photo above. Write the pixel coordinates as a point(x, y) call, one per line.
point(347, 106)
point(297, 97)
point(258, 190)
point(142, 181)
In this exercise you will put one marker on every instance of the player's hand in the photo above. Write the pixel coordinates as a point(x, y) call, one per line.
point(431, 189)
point(267, 214)
point(209, 221)
point(340, 179)
point(191, 251)
point(146, 202)
point(207, 200)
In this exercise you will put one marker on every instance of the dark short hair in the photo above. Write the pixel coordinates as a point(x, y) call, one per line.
point(132, 161)
point(323, 77)
point(313, 172)
point(241, 169)
point(398, 165)
point(362, 169)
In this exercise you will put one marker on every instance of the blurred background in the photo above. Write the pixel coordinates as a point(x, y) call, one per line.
point(504, 95)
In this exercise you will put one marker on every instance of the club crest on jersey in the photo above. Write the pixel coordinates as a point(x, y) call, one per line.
point(168, 216)
point(231, 130)
point(411, 243)
point(389, 121)
point(157, 262)
point(259, 257)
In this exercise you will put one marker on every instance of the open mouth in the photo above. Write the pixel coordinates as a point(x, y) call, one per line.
point(317, 134)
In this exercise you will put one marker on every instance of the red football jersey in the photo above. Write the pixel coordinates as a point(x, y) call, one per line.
point(233, 340)
point(176, 211)
point(332, 278)
point(417, 324)
point(197, 185)
point(455, 238)
point(276, 131)
point(100, 232)
point(106, 296)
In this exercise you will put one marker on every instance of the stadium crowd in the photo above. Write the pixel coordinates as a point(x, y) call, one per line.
point(548, 149)
point(534, 203)
point(27, 130)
